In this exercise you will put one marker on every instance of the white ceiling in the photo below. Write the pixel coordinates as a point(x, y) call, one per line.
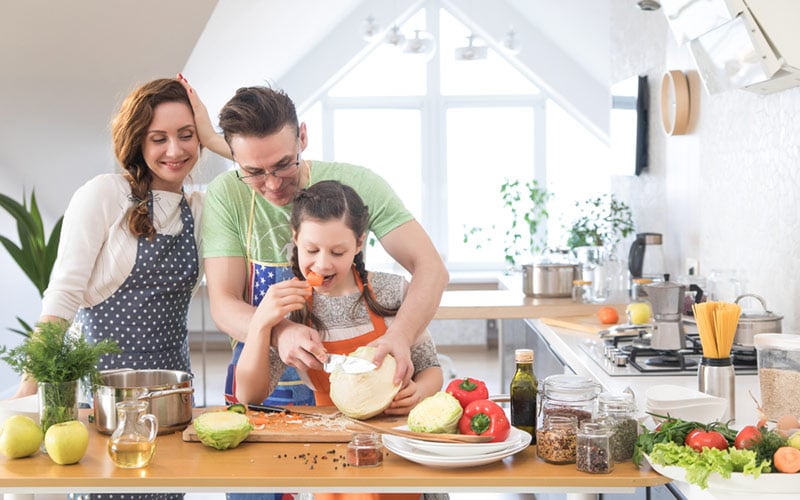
point(66, 65)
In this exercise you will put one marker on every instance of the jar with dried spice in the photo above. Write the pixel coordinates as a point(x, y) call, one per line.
point(569, 396)
point(617, 412)
point(556, 439)
point(365, 450)
point(593, 449)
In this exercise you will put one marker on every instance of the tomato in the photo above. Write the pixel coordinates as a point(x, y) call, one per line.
point(699, 439)
point(747, 437)
point(608, 315)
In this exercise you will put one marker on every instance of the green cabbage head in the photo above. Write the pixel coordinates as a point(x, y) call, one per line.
point(438, 414)
point(222, 429)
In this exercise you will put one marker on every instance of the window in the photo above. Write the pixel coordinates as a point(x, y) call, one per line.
point(446, 140)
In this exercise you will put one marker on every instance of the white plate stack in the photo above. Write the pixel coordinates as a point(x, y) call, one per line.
point(687, 404)
point(450, 455)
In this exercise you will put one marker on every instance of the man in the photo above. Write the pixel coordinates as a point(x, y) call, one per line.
point(247, 234)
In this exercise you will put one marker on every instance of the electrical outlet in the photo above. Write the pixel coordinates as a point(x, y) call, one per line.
point(691, 266)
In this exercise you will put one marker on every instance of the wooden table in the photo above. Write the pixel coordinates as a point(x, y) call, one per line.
point(180, 466)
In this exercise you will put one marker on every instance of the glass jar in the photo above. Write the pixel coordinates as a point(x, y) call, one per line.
point(556, 439)
point(582, 291)
point(593, 452)
point(133, 443)
point(365, 450)
point(616, 411)
point(569, 396)
point(58, 402)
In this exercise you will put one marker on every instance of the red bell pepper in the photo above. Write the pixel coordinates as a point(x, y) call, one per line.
point(467, 390)
point(485, 417)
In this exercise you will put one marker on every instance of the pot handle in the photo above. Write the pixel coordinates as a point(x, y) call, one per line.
point(757, 297)
point(168, 392)
point(698, 292)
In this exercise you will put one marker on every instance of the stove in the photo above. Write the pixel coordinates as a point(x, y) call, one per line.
point(630, 354)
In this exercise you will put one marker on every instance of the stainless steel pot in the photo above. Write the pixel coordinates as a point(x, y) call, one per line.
point(549, 280)
point(169, 393)
point(755, 322)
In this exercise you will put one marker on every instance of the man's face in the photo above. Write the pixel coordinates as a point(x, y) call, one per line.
point(271, 164)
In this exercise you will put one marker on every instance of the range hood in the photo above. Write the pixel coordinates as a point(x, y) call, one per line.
point(739, 44)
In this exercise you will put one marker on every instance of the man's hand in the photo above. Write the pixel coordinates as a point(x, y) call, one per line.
point(398, 346)
point(299, 346)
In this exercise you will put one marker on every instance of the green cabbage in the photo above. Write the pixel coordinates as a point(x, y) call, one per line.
point(438, 414)
point(222, 429)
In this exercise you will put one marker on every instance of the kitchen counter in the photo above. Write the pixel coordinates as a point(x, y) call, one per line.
point(180, 466)
point(566, 343)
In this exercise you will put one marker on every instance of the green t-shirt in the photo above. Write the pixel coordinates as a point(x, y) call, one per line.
point(227, 211)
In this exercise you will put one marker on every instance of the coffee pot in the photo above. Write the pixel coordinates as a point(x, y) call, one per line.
point(646, 256)
point(666, 299)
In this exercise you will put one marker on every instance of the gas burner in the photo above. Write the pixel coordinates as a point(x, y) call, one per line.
point(671, 360)
point(743, 358)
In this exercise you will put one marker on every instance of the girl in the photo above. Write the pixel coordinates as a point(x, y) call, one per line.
point(351, 308)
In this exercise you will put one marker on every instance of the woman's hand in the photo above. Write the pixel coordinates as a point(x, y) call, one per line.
point(205, 129)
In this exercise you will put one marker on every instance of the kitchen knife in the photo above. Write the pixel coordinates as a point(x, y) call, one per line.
point(349, 364)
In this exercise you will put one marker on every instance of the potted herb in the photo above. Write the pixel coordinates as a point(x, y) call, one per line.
point(526, 204)
point(36, 252)
point(58, 358)
point(602, 222)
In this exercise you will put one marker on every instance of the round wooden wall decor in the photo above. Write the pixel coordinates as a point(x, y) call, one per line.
point(675, 104)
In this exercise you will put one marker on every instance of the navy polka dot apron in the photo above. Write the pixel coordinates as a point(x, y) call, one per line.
point(147, 315)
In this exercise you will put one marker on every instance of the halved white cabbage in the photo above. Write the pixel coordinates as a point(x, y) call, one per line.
point(438, 414)
point(222, 429)
point(364, 395)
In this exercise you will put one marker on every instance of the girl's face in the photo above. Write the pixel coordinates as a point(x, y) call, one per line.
point(171, 146)
point(328, 248)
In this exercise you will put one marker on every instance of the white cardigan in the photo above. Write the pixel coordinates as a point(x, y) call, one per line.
point(97, 250)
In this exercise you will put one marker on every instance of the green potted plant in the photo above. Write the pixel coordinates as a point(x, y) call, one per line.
point(58, 358)
point(602, 221)
point(36, 252)
point(526, 204)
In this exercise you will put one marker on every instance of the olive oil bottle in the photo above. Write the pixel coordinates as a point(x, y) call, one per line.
point(524, 391)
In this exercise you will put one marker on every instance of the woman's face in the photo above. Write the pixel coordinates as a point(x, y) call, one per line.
point(328, 248)
point(171, 146)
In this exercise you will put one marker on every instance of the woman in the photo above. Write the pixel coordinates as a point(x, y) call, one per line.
point(127, 261)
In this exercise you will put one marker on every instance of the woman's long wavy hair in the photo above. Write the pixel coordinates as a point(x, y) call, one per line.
point(128, 132)
point(332, 200)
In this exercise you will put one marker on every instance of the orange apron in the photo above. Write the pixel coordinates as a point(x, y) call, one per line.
point(323, 390)
point(320, 378)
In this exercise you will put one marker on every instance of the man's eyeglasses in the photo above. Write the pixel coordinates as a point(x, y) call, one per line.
point(259, 176)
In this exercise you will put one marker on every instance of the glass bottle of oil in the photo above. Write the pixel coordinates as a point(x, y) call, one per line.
point(524, 391)
point(133, 442)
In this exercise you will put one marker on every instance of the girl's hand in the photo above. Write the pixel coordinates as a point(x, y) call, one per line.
point(205, 129)
point(281, 299)
point(407, 398)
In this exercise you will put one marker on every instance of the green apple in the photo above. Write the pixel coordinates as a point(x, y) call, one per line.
point(66, 442)
point(20, 436)
point(794, 440)
point(638, 313)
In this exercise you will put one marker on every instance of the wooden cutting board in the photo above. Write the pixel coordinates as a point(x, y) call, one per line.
point(291, 427)
point(588, 323)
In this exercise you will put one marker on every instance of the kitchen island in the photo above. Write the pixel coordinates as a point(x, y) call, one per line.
point(181, 466)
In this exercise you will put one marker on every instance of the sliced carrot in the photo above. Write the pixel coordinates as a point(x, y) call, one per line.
point(787, 459)
point(314, 279)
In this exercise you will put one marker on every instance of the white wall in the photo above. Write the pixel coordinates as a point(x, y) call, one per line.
point(728, 193)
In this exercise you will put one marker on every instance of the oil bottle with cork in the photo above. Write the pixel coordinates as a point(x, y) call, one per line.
point(524, 391)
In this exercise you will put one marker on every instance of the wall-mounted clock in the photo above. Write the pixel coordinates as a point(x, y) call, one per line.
point(675, 103)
